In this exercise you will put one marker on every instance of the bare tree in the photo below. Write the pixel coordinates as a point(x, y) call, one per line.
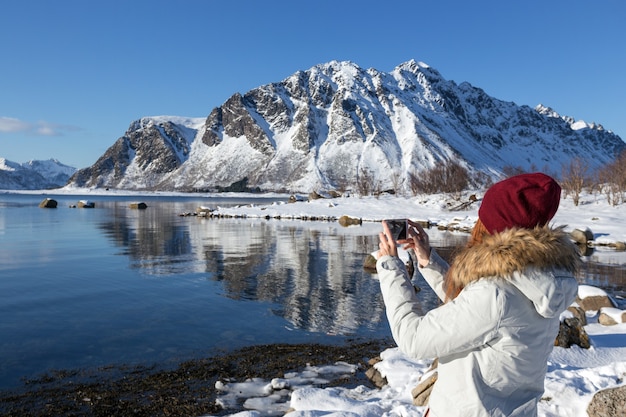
point(396, 181)
point(364, 181)
point(612, 179)
point(510, 170)
point(575, 175)
point(448, 177)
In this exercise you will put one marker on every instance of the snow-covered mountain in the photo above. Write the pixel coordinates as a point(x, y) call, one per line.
point(336, 124)
point(34, 175)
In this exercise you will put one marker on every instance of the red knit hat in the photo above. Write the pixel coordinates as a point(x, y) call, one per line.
point(525, 200)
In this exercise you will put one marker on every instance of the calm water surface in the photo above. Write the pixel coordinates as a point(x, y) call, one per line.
point(84, 288)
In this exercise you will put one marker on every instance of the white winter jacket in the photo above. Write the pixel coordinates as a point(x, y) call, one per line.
point(493, 340)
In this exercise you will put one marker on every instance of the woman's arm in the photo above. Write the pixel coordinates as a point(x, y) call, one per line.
point(468, 321)
point(432, 267)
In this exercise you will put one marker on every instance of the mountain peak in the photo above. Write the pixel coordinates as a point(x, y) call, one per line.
point(337, 126)
point(573, 123)
point(34, 174)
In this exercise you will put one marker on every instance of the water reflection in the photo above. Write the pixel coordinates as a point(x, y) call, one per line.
point(152, 240)
point(609, 276)
point(312, 271)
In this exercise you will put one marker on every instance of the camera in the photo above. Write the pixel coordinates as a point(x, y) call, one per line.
point(398, 228)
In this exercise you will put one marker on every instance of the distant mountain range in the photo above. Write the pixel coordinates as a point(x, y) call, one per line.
point(337, 124)
point(34, 175)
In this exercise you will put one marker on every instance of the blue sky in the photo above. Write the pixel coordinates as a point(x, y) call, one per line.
point(75, 74)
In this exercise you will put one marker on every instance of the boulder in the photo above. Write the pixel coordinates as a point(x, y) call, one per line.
point(611, 316)
point(579, 313)
point(595, 302)
point(609, 402)
point(572, 332)
point(86, 204)
point(421, 393)
point(346, 221)
point(592, 299)
point(621, 246)
point(314, 195)
point(48, 203)
point(374, 374)
point(582, 237)
point(204, 211)
point(370, 264)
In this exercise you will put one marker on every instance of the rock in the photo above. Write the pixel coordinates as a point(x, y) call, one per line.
point(346, 221)
point(606, 320)
point(370, 263)
point(140, 206)
point(314, 196)
point(621, 246)
point(579, 313)
point(48, 203)
point(204, 211)
point(572, 332)
point(609, 402)
point(611, 316)
point(421, 393)
point(581, 237)
point(594, 302)
point(86, 204)
point(374, 375)
point(585, 250)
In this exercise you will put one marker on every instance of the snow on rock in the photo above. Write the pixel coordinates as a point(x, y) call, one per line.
point(585, 291)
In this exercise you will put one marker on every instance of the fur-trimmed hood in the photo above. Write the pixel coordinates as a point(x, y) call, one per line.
point(521, 256)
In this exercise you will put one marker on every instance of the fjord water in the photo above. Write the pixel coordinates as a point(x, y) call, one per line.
point(83, 288)
point(86, 288)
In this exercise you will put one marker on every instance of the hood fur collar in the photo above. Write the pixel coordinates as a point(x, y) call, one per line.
point(513, 250)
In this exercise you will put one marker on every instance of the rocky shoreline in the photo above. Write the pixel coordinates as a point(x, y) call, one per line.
point(185, 390)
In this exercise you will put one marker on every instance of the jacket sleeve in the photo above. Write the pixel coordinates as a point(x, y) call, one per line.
point(434, 272)
point(470, 320)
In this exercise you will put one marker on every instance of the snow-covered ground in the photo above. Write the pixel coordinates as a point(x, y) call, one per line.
point(574, 374)
point(607, 222)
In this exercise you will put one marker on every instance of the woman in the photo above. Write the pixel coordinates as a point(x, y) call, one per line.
point(503, 296)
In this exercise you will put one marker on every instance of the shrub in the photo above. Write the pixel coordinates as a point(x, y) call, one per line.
point(448, 177)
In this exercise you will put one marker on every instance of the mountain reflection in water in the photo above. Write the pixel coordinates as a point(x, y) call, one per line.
point(312, 272)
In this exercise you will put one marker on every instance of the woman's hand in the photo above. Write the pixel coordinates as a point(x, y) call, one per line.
point(417, 239)
point(387, 244)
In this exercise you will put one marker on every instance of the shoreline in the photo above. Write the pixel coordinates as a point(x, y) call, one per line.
point(189, 388)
